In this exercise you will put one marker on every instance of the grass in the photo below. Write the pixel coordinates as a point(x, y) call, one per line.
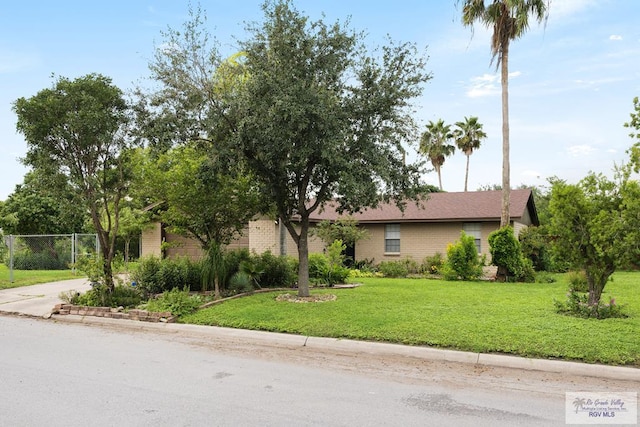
point(33, 277)
point(511, 318)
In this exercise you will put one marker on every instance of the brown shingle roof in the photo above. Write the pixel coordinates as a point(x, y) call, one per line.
point(446, 207)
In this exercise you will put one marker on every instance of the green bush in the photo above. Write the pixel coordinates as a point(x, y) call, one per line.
point(325, 270)
point(99, 296)
point(506, 254)
point(233, 260)
point(178, 302)
point(577, 304)
point(432, 264)
point(463, 262)
point(393, 268)
point(318, 265)
point(544, 277)
point(366, 265)
point(535, 246)
point(154, 275)
point(277, 271)
point(240, 282)
point(577, 281)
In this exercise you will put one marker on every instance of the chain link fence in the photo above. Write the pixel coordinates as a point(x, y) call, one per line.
point(47, 251)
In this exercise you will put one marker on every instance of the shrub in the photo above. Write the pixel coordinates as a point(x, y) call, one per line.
point(577, 304)
point(328, 269)
point(154, 275)
point(178, 302)
point(91, 265)
point(233, 260)
point(99, 296)
point(432, 264)
point(535, 246)
point(544, 277)
point(318, 265)
point(277, 271)
point(365, 265)
point(240, 282)
point(354, 273)
point(577, 281)
point(463, 262)
point(506, 254)
point(393, 268)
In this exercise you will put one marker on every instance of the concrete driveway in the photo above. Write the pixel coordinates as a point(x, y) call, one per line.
point(38, 300)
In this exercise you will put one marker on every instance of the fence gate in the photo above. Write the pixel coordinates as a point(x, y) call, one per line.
point(48, 251)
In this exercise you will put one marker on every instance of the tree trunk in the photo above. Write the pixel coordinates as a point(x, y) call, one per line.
point(303, 257)
point(127, 242)
point(506, 184)
point(466, 174)
point(597, 278)
point(439, 177)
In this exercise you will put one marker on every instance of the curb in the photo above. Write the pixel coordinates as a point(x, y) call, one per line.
point(366, 347)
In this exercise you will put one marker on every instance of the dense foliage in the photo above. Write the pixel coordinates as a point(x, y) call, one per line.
point(463, 262)
point(507, 255)
point(77, 129)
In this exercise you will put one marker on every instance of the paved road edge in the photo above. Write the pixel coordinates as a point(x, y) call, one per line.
point(366, 347)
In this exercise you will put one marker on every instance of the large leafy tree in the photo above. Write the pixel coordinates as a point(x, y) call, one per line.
point(320, 120)
point(77, 128)
point(435, 143)
point(43, 204)
point(509, 20)
point(201, 196)
point(595, 225)
point(468, 135)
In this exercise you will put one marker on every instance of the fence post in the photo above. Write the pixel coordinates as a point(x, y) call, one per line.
point(11, 258)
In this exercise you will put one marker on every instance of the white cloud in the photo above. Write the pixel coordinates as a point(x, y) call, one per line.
point(564, 8)
point(580, 150)
point(615, 37)
point(487, 84)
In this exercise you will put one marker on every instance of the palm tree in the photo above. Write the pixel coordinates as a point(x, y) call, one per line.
point(435, 144)
point(509, 20)
point(468, 135)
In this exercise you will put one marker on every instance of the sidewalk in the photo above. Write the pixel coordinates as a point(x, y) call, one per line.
point(39, 300)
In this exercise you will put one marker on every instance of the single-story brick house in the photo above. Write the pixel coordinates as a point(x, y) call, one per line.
point(421, 230)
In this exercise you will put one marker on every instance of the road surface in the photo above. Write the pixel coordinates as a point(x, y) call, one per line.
point(65, 374)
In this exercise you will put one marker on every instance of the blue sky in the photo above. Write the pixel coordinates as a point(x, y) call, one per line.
point(572, 82)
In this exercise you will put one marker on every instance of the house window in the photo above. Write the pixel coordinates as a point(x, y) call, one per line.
point(392, 238)
point(474, 229)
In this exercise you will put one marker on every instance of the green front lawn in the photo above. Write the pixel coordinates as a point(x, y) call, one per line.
point(482, 317)
point(33, 277)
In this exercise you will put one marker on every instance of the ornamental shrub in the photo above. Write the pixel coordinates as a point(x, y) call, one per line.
point(154, 275)
point(577, 304)
point(432, 264)
point(506, 254)
point(463, 262)
point(393, 268)
point(178, 302)
point(328, 268)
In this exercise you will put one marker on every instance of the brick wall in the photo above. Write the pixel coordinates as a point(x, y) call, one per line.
point(113, 313)
point(417, 240)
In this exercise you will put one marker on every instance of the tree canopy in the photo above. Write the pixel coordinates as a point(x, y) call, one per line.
point(311, 115)
point(77, 129)
point(435, 143)
point(42, 204)
point(321, 120)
